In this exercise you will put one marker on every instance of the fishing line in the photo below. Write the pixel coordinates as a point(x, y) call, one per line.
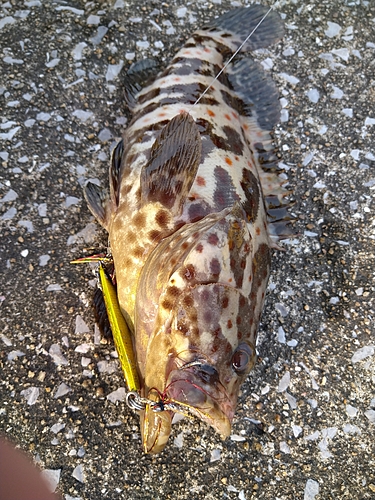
point(234, 55)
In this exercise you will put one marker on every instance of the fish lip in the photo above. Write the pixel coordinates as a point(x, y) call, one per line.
point(217, 409)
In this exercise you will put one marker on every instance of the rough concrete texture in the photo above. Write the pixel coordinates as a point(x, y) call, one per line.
point(305, 423)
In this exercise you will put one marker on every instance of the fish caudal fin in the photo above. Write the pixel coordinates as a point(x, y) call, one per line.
point(240, 22)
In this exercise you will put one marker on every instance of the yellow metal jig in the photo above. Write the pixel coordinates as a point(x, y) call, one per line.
point(120, 331)
point(100, 257)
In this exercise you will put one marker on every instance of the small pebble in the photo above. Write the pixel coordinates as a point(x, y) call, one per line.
point(311, 490)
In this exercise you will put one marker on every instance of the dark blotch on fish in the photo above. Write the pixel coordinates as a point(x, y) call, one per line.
point(250, 186)
point(225, 194)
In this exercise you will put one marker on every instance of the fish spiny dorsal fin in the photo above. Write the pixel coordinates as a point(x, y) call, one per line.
point(174, 160)
point(114, 171)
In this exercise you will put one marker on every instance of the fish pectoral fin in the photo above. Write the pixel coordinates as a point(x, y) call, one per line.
point(97, 201)
point(138, 76)
point(174, 160)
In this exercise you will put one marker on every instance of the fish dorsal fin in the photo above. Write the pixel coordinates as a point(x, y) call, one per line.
point(174, 160)
point(114, 171)
point(136, 78)
point(257, 92)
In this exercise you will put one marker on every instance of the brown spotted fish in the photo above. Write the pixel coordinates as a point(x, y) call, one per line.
point(194, 209)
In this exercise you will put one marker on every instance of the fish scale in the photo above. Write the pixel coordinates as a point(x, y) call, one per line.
point(187, 218)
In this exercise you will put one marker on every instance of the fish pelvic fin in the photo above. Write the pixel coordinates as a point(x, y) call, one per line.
point(97, 201)
point(115, 172)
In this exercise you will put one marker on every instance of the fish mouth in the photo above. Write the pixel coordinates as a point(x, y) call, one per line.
point(191, 390)
point(196, 389)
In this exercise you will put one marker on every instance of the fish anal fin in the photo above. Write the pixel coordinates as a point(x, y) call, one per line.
point(137, 77)
point(173, 164)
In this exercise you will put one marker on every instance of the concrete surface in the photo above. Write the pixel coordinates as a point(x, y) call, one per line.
point(305, 425)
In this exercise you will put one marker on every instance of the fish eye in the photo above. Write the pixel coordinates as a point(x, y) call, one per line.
point(243, 358)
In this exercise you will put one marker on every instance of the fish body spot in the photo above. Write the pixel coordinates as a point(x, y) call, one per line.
point(189, 272)
point(215, 267)
point(213, 239)
point(154, 234)
point(188, 301)
point(162, 218)
point(201, 181)
point(139, 219)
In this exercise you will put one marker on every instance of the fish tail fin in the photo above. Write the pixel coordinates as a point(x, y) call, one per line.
point(236, 25)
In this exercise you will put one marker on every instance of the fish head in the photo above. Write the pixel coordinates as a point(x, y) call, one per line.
point(198, 363)
point(199, 304)
point(212, 355)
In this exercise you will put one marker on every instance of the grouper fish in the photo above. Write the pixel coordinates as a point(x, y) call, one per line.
point(195, 206)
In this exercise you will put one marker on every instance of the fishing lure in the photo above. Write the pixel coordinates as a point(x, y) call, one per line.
point(120, 331)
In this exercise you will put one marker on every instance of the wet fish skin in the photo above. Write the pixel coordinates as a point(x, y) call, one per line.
point(187, 220)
